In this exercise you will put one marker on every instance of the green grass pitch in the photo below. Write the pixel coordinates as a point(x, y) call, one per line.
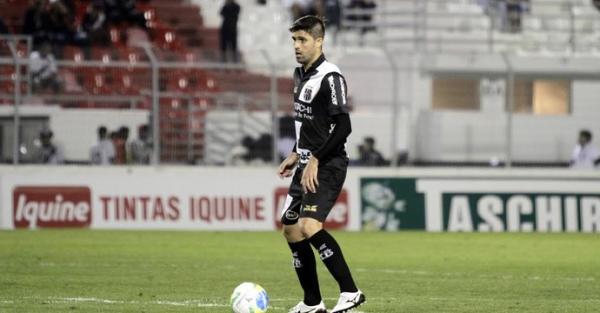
point(160, 271)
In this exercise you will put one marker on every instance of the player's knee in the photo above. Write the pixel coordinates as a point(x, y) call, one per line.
point(292, 233)
point(309, 227)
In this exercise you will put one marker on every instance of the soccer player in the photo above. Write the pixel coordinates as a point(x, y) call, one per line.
point(322, 126)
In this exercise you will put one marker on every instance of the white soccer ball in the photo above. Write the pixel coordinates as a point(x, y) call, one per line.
point(249, 298)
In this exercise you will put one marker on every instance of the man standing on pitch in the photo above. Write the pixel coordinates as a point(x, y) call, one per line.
point(322, 126)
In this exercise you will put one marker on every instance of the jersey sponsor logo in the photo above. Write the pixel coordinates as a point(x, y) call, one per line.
point(303, 111)
point(310, 208)
point(307, 93)
point(302, 108)
point(48, 206)
point(334, 100)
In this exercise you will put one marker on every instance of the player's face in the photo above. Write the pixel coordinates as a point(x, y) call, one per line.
point(306, 47)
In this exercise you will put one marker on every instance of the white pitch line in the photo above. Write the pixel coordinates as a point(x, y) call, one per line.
point(187, 303)
point(190, 303)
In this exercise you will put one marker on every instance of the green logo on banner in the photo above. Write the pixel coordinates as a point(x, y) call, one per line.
point(391, 204)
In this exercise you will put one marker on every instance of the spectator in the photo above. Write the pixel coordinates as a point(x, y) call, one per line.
point(513, 15)
point(124, 11)
point(332, 11)
point(369, 156)
point(141, 148)
point(34, 21)
point(584, 154)
point(47, 152)
point(299, 8)
point(94, 27)
point(103, 152)
point(230, 13)
point(60, 26)
point(365, 15)
point(44, 72)
point(3, 28)
point(120, 142)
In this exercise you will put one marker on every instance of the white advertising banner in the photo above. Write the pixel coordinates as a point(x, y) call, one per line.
point(151, 198)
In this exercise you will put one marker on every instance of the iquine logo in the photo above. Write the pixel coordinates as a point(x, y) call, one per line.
point(52, 206)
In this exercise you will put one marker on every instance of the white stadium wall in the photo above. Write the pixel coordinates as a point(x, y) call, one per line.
point(250, 199)
point(75, 130)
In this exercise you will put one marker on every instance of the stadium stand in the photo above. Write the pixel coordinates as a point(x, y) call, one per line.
point(184, 39)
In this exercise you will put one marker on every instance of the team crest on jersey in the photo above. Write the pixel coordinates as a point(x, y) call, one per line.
point(307, 93)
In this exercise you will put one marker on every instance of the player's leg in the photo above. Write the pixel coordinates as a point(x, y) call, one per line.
point(314, 211)
point(303, 257)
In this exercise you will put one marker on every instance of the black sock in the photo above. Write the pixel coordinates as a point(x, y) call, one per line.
point(306, 268)
point(331, 254)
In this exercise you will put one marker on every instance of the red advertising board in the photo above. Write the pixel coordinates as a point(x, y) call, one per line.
point(52, 206)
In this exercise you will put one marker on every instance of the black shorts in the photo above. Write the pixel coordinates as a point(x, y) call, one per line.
point(316, 205)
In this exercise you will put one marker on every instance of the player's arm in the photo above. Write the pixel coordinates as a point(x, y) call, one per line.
point(287, 166)
point(338, 110)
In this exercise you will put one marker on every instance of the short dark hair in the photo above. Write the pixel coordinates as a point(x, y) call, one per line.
point(586, 133)
point(102, 131)
point(311, 24)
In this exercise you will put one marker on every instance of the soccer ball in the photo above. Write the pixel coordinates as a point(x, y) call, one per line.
point(249, 298)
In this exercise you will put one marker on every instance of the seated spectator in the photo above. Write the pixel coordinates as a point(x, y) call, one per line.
point(584, 154)
point(94, 27)
point(60, 26)
point(368, 155)
point(103, 152)
point(299, 8)
point(47, 152)
point(141, 148)
point(44, 72)
point(34, 22)
point(124, 11)
point(3, 28)
point(365, 17)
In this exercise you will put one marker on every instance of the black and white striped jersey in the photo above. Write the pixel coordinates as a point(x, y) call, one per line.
point(319, 93)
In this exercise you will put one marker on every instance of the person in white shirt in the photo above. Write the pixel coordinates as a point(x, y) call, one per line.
point(584, 154)
point(103, 152)
point(44, 71)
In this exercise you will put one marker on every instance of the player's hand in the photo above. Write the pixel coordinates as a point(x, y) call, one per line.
point(287, 166)
point(309, 179)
